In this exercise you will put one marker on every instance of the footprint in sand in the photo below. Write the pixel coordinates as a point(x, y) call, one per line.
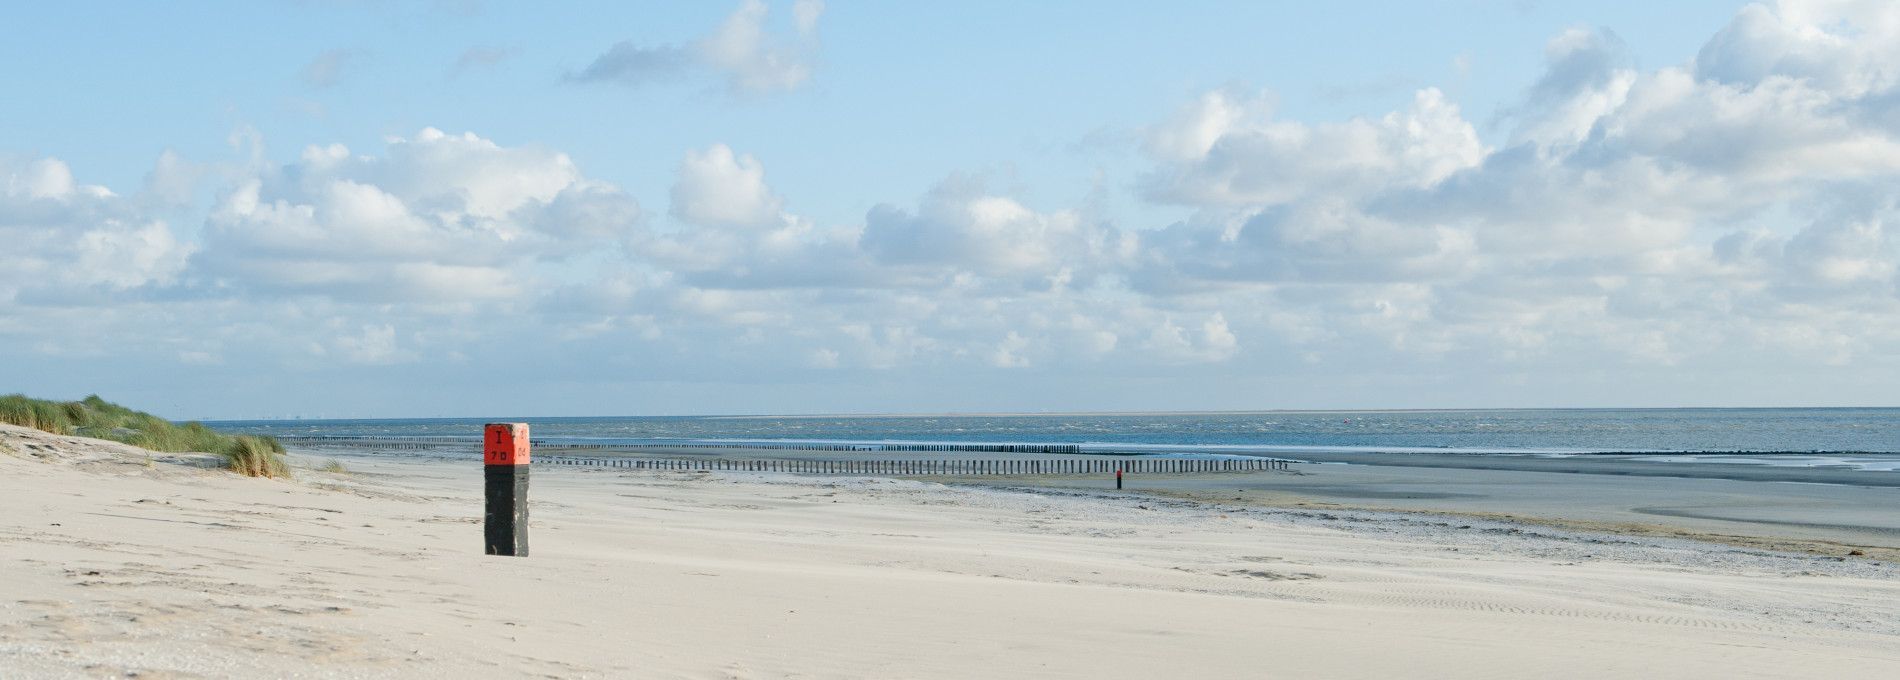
point(1276, 576)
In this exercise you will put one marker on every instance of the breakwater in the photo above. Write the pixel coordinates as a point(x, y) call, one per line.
point(543, 445)
point(927, 467)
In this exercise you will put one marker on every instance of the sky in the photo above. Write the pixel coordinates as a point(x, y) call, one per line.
point(467, 208)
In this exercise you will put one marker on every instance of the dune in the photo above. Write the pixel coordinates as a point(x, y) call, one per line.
point(117, 562)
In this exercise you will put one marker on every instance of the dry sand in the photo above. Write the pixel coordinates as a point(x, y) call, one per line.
point(112, 566)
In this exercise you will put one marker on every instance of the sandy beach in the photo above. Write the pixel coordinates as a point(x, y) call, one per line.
point(121, 564)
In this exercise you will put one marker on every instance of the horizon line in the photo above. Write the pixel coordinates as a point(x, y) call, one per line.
point(1034, 414)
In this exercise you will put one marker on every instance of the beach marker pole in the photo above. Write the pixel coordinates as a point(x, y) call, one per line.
point(505, 471)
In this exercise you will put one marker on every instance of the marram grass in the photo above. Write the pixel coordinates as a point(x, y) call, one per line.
point(257, 457)
point(101, 419)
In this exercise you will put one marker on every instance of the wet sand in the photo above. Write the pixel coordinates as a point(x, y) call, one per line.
point(1827, 519)
point(1806, 509)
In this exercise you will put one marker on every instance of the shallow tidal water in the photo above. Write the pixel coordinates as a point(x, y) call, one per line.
point(1558, 431)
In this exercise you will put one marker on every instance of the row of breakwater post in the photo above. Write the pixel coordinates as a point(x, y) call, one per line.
point(949, 467)
point(1089, 464)
point(781, 445)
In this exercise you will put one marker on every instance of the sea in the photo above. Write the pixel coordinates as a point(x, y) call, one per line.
point(1858, 438)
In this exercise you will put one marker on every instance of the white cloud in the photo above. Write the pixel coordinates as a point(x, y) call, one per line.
point(1226, 149)
point(752, 59)
point(70, 243)
point(373, 345)
point(960, 235)
point(1601, 223)
point(1009, 352)
point(47, 178)
point(1846, 48)
point(717, 188)
point(961, 226)
point(1213, 341)
point(1587, 76)
point(437, 217)
point(174, 181)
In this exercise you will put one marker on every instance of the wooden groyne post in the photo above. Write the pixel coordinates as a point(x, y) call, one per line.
point(505, 471)
point(1121, 467)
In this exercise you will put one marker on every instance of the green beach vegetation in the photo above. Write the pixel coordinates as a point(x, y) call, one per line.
point(100, 419)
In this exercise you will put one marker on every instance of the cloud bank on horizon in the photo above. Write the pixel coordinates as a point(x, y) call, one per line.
point(1719, 231)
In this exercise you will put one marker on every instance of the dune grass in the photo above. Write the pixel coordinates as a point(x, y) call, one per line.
point(257, 457)
point(100, 419)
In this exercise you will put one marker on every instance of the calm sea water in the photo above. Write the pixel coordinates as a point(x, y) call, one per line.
point(1476, 431)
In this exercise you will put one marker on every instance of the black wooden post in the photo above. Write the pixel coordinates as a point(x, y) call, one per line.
point(505, 469)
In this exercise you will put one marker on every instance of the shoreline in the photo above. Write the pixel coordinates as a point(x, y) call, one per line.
point(1622, 464)
point(1602, 463)
point(1805, 510)
point(1058, 414)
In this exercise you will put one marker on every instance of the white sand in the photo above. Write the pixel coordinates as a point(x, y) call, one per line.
point(108, 566)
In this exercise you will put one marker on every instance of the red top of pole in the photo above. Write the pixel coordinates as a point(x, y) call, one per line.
point(505, 444)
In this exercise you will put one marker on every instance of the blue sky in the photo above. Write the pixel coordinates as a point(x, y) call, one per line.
point(916, 90)
point(360, 209)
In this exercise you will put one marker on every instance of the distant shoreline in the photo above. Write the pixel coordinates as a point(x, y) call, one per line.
point(1057, 414)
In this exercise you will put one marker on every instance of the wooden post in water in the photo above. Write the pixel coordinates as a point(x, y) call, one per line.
point(505, 475)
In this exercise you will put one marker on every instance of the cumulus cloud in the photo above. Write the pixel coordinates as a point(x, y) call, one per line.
point(1588, 74)
point(1309, 242)
point(1645, 212)
point(374, 345)
point(1226, 149)
point(437, 217)
point(741, 235)
point(751, 59)
point(1212, 341)
point(68, 242)
point(174, 181)
point(960, 226)
point(721, 189)
point(754, 61)
point(1841, 47)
